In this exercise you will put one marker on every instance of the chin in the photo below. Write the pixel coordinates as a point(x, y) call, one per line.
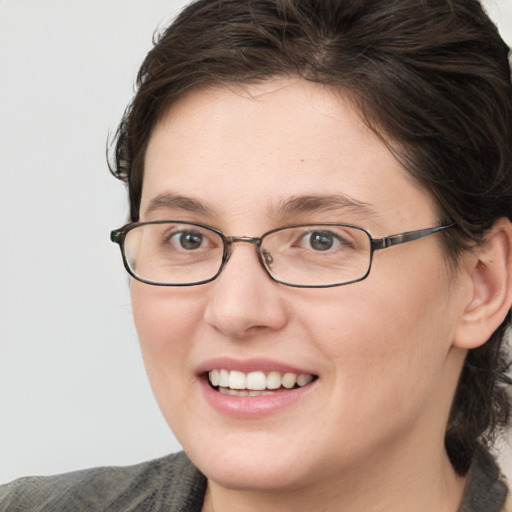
point(240, 473)
point(252, 464)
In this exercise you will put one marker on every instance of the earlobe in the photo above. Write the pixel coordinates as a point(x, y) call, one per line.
point(491, 280)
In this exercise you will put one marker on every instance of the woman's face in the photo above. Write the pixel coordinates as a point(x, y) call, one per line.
point(379, 351)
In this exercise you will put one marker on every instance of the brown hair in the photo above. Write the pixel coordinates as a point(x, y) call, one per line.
point(431, 78)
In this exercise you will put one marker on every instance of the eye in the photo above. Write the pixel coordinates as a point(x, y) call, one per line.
point(321, 240)
point(188, 240)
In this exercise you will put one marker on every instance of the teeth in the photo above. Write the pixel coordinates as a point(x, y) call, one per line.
point(237, 380)
point(273, 380)
point(255, 383)
point(304, 379)
point(289, 380)
point(214, 377)
point(224, 378)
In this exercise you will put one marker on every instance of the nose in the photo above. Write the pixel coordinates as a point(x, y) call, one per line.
point(244, 300)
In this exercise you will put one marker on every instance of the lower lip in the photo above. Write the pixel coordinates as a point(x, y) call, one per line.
point(252, 407)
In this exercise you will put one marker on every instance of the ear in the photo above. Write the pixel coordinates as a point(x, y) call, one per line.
point(491, 279)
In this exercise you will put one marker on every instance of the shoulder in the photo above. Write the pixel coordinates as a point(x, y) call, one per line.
point(168, 483)
point(486, 490)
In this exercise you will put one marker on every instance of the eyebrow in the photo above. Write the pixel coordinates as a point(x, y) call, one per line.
point(323, 203)
point(170, 200)
point(287, 207)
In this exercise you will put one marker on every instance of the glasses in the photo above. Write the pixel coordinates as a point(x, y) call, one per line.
point(176, 253)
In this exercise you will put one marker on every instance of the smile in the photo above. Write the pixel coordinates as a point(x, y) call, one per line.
point(257, 383)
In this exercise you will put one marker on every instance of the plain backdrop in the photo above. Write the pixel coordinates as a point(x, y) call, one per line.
point(73, 391)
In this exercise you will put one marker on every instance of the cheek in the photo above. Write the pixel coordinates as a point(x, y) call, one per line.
point(166, 322)
point(387, 342)
point(163, 317)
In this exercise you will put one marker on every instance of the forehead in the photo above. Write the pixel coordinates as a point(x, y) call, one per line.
point(255, 149)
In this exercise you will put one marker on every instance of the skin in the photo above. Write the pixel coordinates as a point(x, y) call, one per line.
point(368, 435)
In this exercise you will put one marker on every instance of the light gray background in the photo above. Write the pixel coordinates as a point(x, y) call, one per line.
point(73, 391)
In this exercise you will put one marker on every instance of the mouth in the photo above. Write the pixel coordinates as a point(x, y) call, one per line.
point(256, 383)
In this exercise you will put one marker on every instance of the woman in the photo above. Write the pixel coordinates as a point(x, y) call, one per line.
point(354, 357)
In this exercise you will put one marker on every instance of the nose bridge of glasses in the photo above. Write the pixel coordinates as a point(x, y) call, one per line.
point(253, 240)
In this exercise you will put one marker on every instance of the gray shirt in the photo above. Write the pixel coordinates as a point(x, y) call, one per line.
point(174, 484)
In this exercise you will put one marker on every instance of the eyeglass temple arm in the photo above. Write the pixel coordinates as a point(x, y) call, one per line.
point(408, 236)
point(116, 236)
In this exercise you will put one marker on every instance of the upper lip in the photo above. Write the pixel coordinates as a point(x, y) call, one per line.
point(249, 365)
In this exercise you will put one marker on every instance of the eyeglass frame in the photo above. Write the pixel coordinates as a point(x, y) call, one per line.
point(376, 244)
